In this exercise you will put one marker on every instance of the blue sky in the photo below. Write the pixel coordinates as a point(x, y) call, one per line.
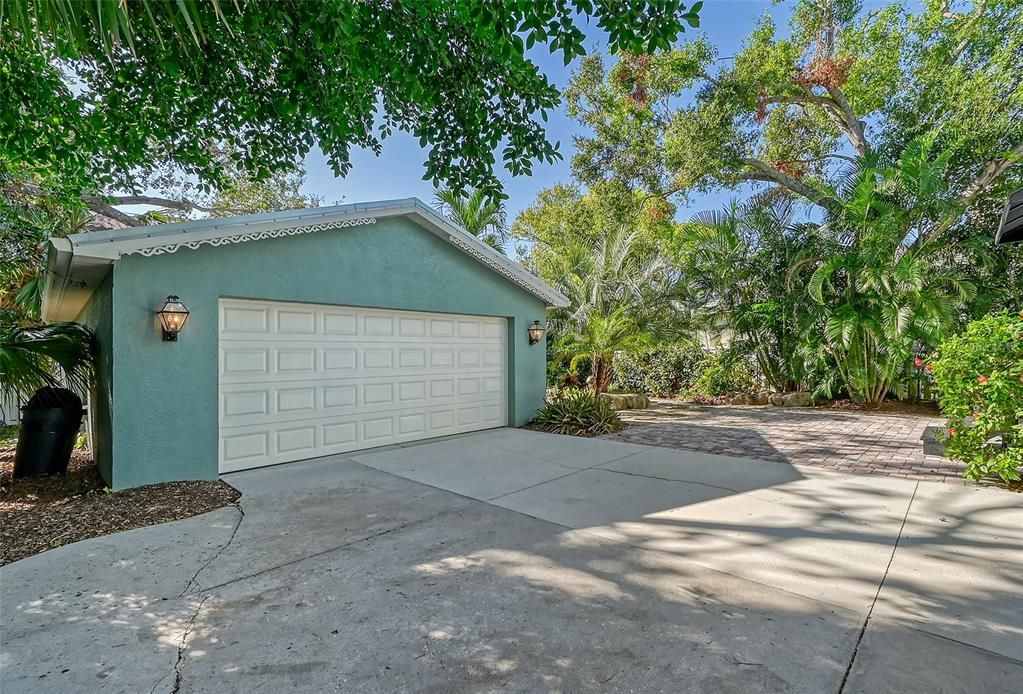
point(398, 171)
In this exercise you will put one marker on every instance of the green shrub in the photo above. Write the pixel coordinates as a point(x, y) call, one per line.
point(565, 371)
point(666, 371)
point(578, 411)
point(979, 376)
point(581, 367)
point(557, 367)
point(723, 374)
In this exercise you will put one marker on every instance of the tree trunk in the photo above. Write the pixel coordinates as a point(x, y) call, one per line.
point(601, 373)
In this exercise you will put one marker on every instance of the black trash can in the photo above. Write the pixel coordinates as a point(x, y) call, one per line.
point(49, 426)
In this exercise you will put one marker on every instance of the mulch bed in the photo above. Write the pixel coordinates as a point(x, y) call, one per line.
point(926, 409)
point(40, 513)
point(552, 429)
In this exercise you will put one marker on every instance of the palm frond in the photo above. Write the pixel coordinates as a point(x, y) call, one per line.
point(77, 27)
point(60, 354)
point(480, 216)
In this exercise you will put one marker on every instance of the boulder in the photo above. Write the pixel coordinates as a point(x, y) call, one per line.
point(776, 399)
point(798, 399)
point(749, 399)
point(628, 401)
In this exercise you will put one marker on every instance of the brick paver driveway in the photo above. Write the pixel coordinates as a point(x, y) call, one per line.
point(870, 443)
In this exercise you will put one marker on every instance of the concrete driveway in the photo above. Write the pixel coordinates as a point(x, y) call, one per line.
point(512, 560)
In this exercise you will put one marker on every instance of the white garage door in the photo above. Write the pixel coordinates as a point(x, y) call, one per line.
point(304, 380)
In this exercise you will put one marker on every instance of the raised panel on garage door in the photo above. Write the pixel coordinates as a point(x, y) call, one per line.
point(305, 380)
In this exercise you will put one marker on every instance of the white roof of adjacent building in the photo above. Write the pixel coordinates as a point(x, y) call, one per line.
point(77, 264)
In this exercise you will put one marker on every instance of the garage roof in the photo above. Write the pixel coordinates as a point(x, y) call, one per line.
point(78, 263)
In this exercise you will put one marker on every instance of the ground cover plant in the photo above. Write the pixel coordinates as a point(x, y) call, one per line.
point(577, 411)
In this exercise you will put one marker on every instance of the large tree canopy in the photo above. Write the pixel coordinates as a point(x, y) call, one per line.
point(795, 108)
point(563, 217)
point(99, 96)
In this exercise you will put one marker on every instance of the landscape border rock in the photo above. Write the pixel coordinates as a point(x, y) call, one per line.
point(797, 399)
point(627, 401)
point(800, 398)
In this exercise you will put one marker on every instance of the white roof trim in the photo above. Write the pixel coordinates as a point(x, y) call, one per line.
point(106, 246)
point(149, 251)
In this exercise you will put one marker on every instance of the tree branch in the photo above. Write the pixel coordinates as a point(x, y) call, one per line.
point(182, 204)
point(817, 160)
point(992, 170)
point(99, 206)
point(764, 172)
point(94, 203)
point(105, 205)
point(978, 10)
point(853, 128)
point(838, 110)
point(713, 80)
point(807, 97)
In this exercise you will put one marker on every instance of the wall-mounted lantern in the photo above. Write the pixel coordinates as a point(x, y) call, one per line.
point(535, 332)
point(172, 318)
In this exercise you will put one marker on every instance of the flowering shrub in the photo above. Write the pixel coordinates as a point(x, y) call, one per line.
point(979, 375)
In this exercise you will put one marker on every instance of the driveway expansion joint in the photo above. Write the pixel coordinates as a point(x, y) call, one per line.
point(601, 468)
point(575, 471)
point(541, 456)
point(987, 651)
point(877, 593)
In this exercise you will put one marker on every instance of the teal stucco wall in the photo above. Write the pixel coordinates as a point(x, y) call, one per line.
point(98, 315)
point(164, 413)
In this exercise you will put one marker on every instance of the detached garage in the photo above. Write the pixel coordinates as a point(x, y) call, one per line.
point(308, 333)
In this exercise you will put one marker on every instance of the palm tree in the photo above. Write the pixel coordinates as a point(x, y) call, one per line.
point(884, 288)
point(736, 262)
point(622, 294)
point(60, 355)
point(477, 214)
point(600, 337)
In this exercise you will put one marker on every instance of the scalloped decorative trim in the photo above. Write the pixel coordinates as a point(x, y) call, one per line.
point(501, 269)
point(252, 236)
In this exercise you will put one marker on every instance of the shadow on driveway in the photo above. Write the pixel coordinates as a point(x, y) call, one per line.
point(598, 566)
